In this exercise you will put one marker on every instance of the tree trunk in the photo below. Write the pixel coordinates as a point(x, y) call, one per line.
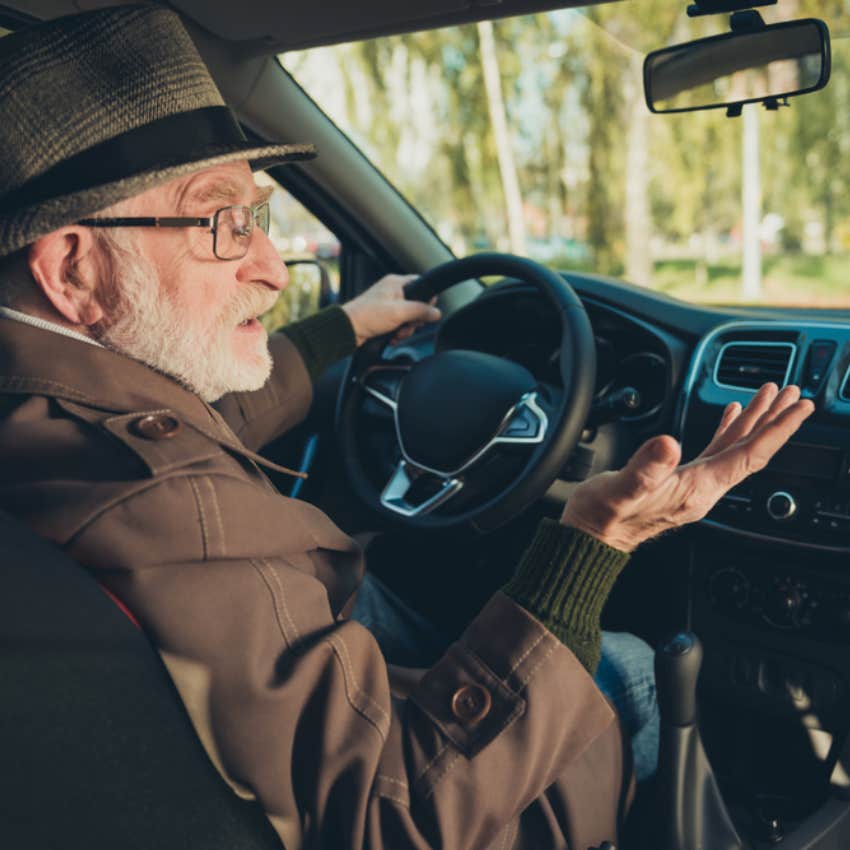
point(638, 223)
point(504, 149)
point(751, 204)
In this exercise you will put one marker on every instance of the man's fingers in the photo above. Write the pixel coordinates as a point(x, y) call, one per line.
point(649, 467)
point(404, 332)
point(730, 414)
point(724, 436)
point(788, 396)
point(743, 424)
point(735, 463)
point(416, 311)
point(759, 403)
point(775, 433)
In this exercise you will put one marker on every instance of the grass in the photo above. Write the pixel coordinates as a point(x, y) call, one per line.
point(793, 280)
point(799, 280)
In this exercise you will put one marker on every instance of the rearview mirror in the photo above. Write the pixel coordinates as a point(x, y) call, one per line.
point(762, 65)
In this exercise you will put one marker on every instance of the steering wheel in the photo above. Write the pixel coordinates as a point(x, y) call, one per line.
point(478, 437)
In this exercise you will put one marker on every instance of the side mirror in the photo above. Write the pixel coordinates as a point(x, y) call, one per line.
point(764, 64)
point(314, 275)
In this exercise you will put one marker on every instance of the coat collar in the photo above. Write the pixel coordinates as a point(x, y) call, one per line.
point(34, 361)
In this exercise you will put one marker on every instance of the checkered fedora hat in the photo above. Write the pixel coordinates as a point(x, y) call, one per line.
point(102, 106)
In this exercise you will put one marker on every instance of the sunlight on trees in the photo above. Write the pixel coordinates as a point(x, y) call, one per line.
point(597, 182)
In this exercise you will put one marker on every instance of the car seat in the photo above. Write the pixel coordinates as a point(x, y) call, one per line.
point(98, 751)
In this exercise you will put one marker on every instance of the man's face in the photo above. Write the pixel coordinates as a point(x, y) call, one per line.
point(180, 309)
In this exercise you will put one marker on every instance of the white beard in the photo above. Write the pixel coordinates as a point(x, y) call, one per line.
point(150, 325)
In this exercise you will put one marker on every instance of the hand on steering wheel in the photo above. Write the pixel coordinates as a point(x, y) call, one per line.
point(385, 308)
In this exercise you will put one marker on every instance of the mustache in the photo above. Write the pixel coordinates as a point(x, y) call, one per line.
point(248, 303)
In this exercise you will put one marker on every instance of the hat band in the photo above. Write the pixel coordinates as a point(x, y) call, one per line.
point(151, 147)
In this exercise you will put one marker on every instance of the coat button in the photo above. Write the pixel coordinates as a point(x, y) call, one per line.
point(156, 426)
point(471, 703)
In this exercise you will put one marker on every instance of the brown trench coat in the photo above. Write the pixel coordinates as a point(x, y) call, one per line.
point(240, 589)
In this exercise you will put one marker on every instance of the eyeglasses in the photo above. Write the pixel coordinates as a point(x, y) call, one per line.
point(231, 227)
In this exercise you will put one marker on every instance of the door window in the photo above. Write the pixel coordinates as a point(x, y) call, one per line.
point(311, 253)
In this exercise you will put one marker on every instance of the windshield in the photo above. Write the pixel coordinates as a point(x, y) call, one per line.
point(531, 135)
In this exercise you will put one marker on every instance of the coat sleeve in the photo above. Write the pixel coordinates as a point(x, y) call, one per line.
point(298, 709)
point(300, 354)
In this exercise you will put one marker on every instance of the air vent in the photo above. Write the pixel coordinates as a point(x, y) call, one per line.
point(748, 365)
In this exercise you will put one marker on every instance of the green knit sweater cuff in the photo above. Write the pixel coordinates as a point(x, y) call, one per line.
point(322, 339)
point(564, 579)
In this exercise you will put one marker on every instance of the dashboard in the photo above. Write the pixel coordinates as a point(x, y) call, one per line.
point(633, 356)
point(769, 586)
point(513, 322)
point(767, 564)
point(763, 579)
point(803, 497)
point(683, 383)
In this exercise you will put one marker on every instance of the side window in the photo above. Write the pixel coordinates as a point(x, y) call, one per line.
point(311, 253)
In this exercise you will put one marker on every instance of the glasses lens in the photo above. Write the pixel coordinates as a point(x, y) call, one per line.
point(233, 226)
point(263, 217)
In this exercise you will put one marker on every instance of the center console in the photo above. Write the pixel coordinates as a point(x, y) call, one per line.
point(803, 496)
point(770, 576)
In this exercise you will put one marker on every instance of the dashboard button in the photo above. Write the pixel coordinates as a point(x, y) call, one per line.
point(820, 355)
point(781, 505)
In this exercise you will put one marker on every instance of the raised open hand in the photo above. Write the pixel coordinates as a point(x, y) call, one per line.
point(652, 493)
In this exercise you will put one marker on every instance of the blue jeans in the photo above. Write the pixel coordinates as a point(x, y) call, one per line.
point(625, 675)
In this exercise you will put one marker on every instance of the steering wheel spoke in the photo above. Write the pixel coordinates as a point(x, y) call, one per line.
point(527, 423)
point(549, 397)
point(382, 383)
point(403, 483)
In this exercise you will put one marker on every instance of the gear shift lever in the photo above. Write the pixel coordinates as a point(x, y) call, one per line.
point(677, 666)
point(692, 814)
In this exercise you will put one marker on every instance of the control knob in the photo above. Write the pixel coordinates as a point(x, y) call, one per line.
point(786, 604)
point(781, 505)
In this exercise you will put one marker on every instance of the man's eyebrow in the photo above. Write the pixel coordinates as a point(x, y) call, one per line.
point(263, 193)
point(225, 192)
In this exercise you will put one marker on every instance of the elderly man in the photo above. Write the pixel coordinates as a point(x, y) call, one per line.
point(136, 265)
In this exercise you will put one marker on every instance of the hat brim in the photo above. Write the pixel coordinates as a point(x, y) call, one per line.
point(21, 227)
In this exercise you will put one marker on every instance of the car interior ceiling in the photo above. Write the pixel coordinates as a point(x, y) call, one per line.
point(775, 762)
point(260, 26)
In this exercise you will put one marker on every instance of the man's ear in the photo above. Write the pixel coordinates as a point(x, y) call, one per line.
point(64, 265)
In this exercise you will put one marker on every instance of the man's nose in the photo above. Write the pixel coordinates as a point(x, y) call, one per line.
point(265, 264)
